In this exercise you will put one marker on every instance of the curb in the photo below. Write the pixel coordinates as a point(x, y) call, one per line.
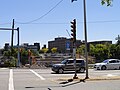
point(90, 79)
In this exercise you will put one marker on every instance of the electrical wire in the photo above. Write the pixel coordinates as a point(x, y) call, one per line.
point(109, 21)
point(42, 15)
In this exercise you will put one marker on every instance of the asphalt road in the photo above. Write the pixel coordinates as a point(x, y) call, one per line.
point(44, 79)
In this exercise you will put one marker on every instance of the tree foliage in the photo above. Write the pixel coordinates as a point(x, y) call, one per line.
point(54, 50)
point(101, 51)
point(107, 2)
point(24, 54)
point(45, 50)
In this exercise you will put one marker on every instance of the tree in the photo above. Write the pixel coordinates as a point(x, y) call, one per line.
point(45, 50)
point(81, 50)
point(118, 51)
point(101, 52)
point(112, 51)
point(92, 49)
point(54, 50)
point(7, 53)
point(108, 2)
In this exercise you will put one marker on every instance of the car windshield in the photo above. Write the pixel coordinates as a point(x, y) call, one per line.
point(105, 61)
point(64, 62)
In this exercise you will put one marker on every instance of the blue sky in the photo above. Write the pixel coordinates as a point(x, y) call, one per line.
point(53, 19)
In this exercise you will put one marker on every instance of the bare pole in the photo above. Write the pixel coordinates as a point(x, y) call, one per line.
point(18, 64)
point(12, 34)
point(85, 32)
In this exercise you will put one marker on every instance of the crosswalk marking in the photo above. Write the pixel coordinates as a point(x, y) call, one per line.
point(37, 74)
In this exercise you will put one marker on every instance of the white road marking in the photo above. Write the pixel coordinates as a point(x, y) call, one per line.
point(37, 75)
point(111, 75)
point(3, 68)
point(11, 85)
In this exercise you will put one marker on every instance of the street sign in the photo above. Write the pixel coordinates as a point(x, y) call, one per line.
point(67, 45)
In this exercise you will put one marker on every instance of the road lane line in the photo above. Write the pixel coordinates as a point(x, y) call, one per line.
point(11, 85)
point(37, 75)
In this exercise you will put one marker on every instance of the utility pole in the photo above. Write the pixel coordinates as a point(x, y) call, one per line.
point(18, 64)
point(12, 37)
point(85, 32)
point(12, 34)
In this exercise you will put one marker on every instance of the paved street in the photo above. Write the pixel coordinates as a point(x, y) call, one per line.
point(42, 79)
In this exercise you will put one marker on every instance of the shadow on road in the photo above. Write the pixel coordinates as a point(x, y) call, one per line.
point(67, 72)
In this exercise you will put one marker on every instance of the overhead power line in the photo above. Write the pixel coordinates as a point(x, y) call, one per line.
point(109, 21)
point(42, 15)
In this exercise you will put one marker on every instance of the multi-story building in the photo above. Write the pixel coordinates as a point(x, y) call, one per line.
point(63, 44)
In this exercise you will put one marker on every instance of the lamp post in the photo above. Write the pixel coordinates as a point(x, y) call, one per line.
point(85, 32)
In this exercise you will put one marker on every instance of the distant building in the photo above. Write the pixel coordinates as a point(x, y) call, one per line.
point(26, 46)
point(63, 44)
point(38, 46)
point(7, 46)
point(44, 46)
point(100, 42)
point(35, 47)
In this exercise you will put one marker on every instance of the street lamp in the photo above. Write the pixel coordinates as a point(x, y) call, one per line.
point(85, 32)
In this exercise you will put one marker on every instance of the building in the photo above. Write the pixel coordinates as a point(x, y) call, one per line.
point(35, 47)
point(100, 42)
point(38, 46)
point(7, 46)
point(26, 46)
point(63, 44)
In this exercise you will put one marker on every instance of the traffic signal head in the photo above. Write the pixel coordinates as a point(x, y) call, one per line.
point(73, 30)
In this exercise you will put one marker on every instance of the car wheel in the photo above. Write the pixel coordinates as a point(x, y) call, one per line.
point(60, 71)
point(103, 68)
point(82, 70)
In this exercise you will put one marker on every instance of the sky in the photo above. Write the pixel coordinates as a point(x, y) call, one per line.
point(43, 20)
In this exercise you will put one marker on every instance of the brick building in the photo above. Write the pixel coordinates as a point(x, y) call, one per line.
point(63, 44)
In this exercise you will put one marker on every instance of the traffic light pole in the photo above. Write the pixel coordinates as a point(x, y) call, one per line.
point(73, 30)
point(85, 31)
point(74, 57)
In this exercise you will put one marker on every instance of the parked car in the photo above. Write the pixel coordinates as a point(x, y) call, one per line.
point(108, 64)
point(68, 65)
